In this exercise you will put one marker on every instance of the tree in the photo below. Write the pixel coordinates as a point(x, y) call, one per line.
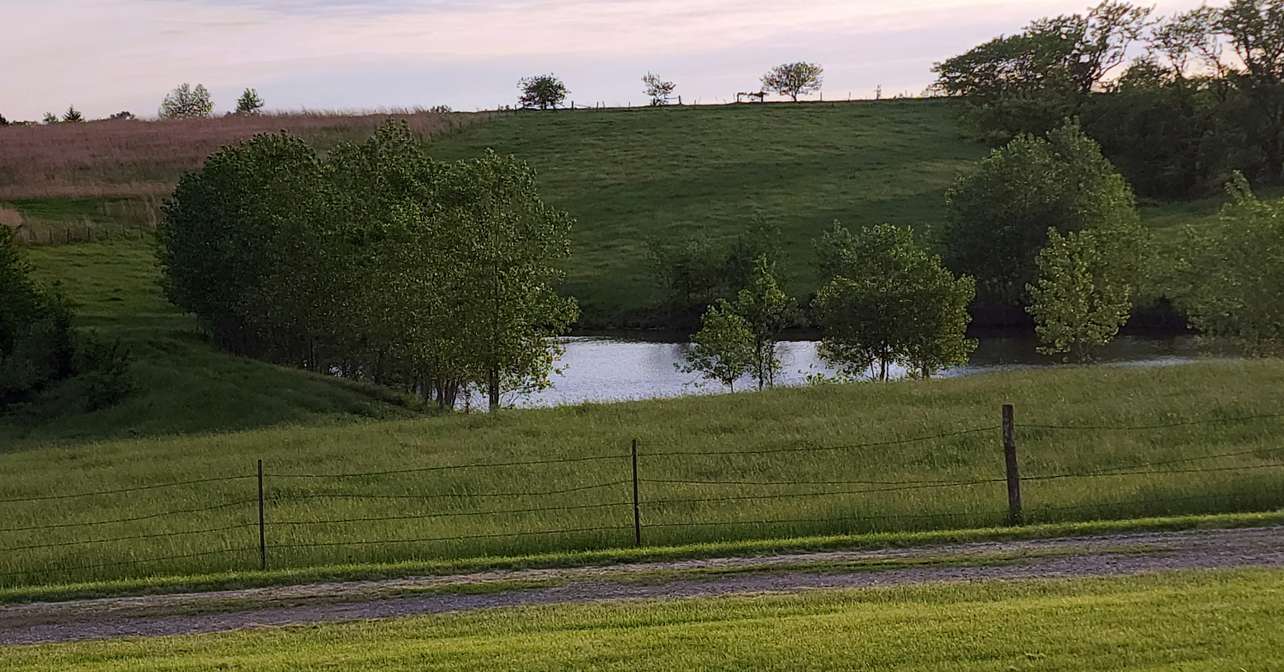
point(1255, 29)
point(186, 102)
point(888, 301)
point(1079, 298)
point(1234, 273)
point(542, 91)
point(513, 247)
point(3, 121)
point(72, 115)
point(766, 310)
point(123, 115)
point(1029, 82)
point(50, 119)
point(723, 348)
point(998, 217)
point(249, 102)
point(660, 91)
point(794, 79)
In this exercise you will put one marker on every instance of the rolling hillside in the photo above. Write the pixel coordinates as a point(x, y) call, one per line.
point(630, 175)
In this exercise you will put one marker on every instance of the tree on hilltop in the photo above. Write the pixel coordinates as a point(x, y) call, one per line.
point(542, 92)
point(794, 79)
point(187, 102)
point(660, 91)
point(249, 102)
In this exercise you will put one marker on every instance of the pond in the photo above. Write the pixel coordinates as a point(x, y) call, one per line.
point(612, 369)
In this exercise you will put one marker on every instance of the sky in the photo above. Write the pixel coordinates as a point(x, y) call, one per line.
point(104, 56)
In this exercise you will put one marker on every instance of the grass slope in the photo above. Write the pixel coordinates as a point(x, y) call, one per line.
point(629, 175)
point(183, 384)
point(1184, 621)
point(693, 490)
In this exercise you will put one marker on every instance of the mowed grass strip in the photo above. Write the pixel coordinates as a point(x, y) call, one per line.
point(786, 463)
point(1177, 621)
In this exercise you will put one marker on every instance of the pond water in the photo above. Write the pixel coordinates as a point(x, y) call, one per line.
point(611, 369)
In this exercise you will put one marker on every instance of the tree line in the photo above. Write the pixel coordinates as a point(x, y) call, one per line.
point(1203, 99)
point(373, 262)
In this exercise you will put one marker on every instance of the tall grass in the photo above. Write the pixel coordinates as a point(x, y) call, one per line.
point(720, 452)
point(130, 158)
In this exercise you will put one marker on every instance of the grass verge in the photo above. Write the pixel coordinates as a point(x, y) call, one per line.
point(748, 548)
point(1176, 621)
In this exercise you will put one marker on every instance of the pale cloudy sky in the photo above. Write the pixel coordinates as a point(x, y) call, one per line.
point(109, 55)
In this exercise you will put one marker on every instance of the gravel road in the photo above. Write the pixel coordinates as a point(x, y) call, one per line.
point(218, 611)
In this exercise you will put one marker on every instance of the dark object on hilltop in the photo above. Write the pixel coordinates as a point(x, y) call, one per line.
point(72, 116)
point(123, 115)
point(542, 92)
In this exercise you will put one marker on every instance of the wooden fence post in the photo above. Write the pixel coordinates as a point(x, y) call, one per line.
point(637, 510)
point(262, 523)
point(1013, 467)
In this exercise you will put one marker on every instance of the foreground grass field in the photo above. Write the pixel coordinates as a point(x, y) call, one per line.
point(1184, 621)
point(829, 460)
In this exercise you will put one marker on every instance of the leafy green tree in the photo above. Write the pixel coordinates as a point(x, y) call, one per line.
point(723, 349)
point(1234, 272)
point(544, 92)
point(767, 310)
point(72, 116)
point(249, 102)
point(889, 301)
point(794, 79)
point(1080, 297)
point(999, 216)
point(187, 102)
point(513, 246)
point(232, 227)
point(660, 91)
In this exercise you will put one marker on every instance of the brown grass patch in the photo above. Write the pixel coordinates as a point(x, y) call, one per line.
point(146, 158)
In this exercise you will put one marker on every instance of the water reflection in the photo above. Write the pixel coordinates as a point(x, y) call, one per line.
point(603, 369)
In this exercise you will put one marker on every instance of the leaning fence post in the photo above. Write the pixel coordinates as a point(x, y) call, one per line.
point(637, 510)
point(262, 523)
point(1013, 469)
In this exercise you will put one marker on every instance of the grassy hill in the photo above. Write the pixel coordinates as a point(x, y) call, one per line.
point(633, 174)
point(183, 384)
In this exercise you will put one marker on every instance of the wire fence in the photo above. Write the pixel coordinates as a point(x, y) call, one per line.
point(288, 520)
